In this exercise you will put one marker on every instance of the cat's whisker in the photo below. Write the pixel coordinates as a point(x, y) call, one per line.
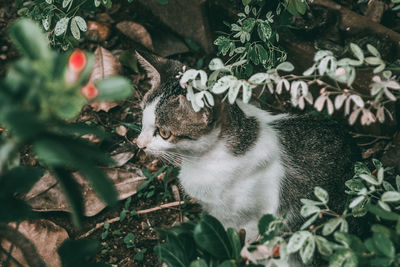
point(181, 157)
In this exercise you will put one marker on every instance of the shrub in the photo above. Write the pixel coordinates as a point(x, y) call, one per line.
point(41, 93)
point(326, 232)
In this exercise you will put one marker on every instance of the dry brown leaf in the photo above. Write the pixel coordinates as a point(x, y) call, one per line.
point(98, 32)
point(122, 158)
point(106, 65)
point(45, 235)
point(47, 195)
point(137, 33)
point(121, 130)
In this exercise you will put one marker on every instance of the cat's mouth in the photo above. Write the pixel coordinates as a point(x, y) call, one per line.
point(167, 157)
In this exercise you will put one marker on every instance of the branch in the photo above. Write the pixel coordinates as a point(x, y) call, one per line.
point(117, 219)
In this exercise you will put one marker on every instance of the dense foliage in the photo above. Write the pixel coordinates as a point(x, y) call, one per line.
point(41, 93)
point(326, 232)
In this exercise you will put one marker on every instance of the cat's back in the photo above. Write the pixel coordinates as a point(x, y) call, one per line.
point(315, 152)
point(315, 140)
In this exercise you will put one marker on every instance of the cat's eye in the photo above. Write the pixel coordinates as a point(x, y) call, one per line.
point(165, 134)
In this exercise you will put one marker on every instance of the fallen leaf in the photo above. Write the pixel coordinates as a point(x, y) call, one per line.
point(121, 130)
point(137, 33)
point(122, 158)
point(105, 106)
point(106, 65)
point(97, 32)
point(45, 235)
point(47, 195)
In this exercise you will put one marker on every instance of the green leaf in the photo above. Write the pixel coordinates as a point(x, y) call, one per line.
point(80, 129)
point(331, 226)
point(309, 221)
point(264, 31)
point(264, 222)
point(321, 194)
point(382, 213)
point(140, 255)
point(58, 152)
point(19, 180)
point(73, 193)
point(360, 168)
point(297, 240)
point(75, 253)
point(223, 44)
point(29, 39)
point(81, 23)
point(307, 210)
point(227, 263)
point(398, 182)
point(162, 2)
point(373, 51)
point(61, 26)
point(75, 29)
point(114, 88)
point(387, 186)
point(323, 245)
point(310, 202)
point(343, 257)
point(24, 125)
point(384, 244)
point(357, 51)
point(198, 263)
point(65, 3)
point(369, 178)
point(253, 55)
point(285, 66)
point(354, 185)
point(307, 250)
point(15, 210)
point(129, 240)
point(211, 236)
point(172, 252)
point(356, 201)
point(390, 196)
point(101, 184)
point(246, 2)
point(235, 243)
point(295, 7)
point(248, 24)
point(263, 54)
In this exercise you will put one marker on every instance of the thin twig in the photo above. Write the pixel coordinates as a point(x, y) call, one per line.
point(359, 135)
point(117, 219)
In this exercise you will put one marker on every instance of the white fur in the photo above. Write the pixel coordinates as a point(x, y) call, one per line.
point(232, 187)
point(237, 190)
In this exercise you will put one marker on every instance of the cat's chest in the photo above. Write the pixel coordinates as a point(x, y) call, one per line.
point(222, 181)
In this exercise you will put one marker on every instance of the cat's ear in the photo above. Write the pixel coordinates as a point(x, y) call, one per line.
point(159, 68)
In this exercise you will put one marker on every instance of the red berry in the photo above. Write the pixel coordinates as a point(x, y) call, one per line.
point(77, 60)
point(89, 91)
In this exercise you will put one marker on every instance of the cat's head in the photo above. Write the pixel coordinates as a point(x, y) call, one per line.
point(170, 126)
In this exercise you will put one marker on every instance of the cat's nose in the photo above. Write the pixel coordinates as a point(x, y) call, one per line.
point(141, 142)
point(140, 145)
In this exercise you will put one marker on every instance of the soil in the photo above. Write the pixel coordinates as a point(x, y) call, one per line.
point(144, 227)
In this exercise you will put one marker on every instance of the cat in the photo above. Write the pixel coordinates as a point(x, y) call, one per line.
point(238, 161)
